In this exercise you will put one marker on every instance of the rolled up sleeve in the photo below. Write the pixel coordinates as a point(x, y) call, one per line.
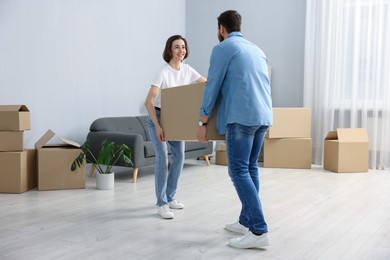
point(216, 74)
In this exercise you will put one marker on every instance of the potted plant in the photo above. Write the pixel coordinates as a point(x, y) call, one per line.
point(109, 154)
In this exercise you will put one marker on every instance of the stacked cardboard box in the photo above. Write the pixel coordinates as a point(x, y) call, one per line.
point(288, 142)
point(18, 166)
point(46, 167)
point(346, 150)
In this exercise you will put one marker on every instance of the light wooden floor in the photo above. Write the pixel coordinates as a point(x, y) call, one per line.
point(312, 214)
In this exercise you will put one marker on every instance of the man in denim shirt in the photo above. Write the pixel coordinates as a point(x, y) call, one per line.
point(238, 83)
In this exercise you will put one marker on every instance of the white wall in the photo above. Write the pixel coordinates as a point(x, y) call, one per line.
point(73, 61)
point(277, 26)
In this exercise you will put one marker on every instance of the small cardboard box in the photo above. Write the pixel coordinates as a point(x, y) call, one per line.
point(14, 118)
point(18, 171)
point(287, 153)
point(222, 147)
point(11, 141)
point(54, 162)
point(220, 155)
point(290, 123)
point(221, 158)
point(346, 150)
point(180, 113)
point(261, 155)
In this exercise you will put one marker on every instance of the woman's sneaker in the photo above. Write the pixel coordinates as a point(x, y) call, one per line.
point(165, 212)
point(175, 205)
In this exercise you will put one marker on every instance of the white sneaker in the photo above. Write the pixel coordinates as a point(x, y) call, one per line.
point(175, 205)
point(250, 240)
point(165, 212)
point(237, 227)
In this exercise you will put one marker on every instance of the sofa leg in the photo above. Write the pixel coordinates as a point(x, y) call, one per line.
point(135, 175)
point(92, 170)
point(206, 158)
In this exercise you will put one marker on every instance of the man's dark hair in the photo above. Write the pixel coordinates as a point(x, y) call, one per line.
point(167, 54)
point(231, 20)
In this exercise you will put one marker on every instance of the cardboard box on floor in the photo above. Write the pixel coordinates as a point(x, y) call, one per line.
point(180, 113)
point(292, 153)
point(220, 155)
point(54, 162)
point(11, 141)
point(346, 150)
point(14, 118)
point(290, 123)
point(18, 171)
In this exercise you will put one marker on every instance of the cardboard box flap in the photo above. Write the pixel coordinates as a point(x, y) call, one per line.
point(70, 142)
point(44, 139)
point(352, 135)
point(332, 135)
point(13, 108)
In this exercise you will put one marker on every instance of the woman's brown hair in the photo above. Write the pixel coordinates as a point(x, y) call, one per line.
point(167, 54)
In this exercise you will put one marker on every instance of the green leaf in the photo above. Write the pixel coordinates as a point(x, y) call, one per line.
point(110, 153)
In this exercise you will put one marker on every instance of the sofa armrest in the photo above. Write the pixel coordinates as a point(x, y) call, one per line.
point(134, 141)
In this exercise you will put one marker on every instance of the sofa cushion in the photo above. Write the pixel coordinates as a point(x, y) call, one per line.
point(119, 124)
point(142, 120)
point(191, 146)
point(149, 150)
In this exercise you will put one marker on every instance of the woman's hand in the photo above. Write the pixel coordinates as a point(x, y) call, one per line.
point(160, 133)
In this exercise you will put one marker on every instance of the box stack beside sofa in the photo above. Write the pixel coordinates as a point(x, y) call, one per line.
point(288, 142)
point(47, 167)
point(18, 165)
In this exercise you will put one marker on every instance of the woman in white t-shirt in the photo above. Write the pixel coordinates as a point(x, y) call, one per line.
point(174, 73)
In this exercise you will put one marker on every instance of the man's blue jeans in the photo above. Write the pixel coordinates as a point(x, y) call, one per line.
point(243, 145)
point(166, 180)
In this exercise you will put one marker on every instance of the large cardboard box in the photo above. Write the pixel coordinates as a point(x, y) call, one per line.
point(14, 118)
point(180, 113)
point(18, 171)
point(346, 150)
point(290, 123)
point(287, 153)
point(11, 141)
point(221, 155)
point(54, 162)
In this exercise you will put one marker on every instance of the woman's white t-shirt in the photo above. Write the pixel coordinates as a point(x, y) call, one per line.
point(169, 77)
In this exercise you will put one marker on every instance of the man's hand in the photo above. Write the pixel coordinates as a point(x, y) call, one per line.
point(201, 134)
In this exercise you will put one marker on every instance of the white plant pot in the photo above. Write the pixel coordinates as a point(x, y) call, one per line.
point(105, 181)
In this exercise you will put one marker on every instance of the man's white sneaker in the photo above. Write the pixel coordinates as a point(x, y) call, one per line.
point(175, 205)
point(165, 212)
point(237, 227)
point(250, 240)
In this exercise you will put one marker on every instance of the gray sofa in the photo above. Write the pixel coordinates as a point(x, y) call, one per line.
point(133, 132)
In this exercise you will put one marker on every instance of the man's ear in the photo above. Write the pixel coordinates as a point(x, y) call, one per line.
point(222, 29)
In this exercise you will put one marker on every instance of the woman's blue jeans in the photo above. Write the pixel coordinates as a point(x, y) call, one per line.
point(243, 145)
point(166, 180)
